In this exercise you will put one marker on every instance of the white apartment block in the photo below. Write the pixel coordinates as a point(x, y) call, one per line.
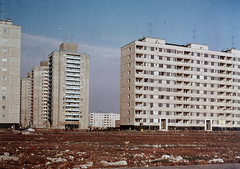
point(166, 86)
point(39, 103)
point(10, 53)
point(103, 120)
point(25, 101)
point(68, 88)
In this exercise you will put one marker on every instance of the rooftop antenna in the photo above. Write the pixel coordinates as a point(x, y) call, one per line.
point(194, 35)
point(232, 41)
point(65, 38)
point(72, 38)
point(150, 25)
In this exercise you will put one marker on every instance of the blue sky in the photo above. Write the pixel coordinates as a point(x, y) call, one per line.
point(102, 27)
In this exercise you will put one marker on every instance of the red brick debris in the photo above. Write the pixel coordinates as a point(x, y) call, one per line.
point(57, 149)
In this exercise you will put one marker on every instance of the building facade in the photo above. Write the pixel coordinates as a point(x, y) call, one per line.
point(10, 53)
point(25, 101)
point(39, 103)
point(68, 88)
point(103, 120)
point(166, 86)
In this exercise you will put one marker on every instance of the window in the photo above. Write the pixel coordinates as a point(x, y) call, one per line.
point(3, 117)
point(4, 69)
point(4, 59)
point(4, 49)
point(4, 88)
point(3, 107)
point(5, 31)
point(4, 79)
point(3, 97)
point(128, 119)
point(129, 49)
point(129, 57)
point(4, 40)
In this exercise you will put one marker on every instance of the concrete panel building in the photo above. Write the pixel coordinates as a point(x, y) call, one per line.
point(10, 52)
point(166, 86)
point(25, 101)
point(104, 120)
point(40, 76)
point(68, 88)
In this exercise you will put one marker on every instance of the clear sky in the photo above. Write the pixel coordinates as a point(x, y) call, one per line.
point(102, 27)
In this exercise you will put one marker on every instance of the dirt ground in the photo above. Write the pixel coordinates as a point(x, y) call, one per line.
point(55, 149)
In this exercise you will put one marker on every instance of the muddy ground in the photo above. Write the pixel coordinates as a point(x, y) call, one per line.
point(55, 149)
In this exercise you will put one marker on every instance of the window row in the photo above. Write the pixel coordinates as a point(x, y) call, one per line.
point(189, 91)
point(181, 75)
point(185, 121)
point(184, 106)
point(188, 68)
point(172, 113)
point(186, 98)
point(182, 52)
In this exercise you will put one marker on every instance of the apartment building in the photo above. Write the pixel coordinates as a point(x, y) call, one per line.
point(103, 120)
point(34, 97)
point(166, 86)
point(10, 53)
point(68, 88)
point(39, 103)
point(25, 101)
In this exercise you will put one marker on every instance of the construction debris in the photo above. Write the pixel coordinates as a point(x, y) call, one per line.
point(58, 149)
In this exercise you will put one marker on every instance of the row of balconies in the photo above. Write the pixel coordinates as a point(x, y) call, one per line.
point(187, 53)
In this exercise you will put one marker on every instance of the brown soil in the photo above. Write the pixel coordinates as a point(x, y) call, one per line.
point(57, 149)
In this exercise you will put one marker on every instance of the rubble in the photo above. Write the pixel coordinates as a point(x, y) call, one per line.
point(219, 160)
point(118, 163)
point(116, 149)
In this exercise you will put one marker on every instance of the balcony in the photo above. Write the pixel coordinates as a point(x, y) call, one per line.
point(73, 75)
point(73, 61)
point(72, 66)
point(72, 110)
point(72, 101)
point(71, 105)
point(73, 96)
point(72, 114)
point(72, 88)
point(139, 47)
point(72, 83)
point(139, 87)
point(73, 79)
point(73, 57)
point(72, 119)
point(72, 92)
point(73, 70)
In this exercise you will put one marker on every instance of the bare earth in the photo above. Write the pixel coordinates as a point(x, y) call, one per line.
point(57, 149)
